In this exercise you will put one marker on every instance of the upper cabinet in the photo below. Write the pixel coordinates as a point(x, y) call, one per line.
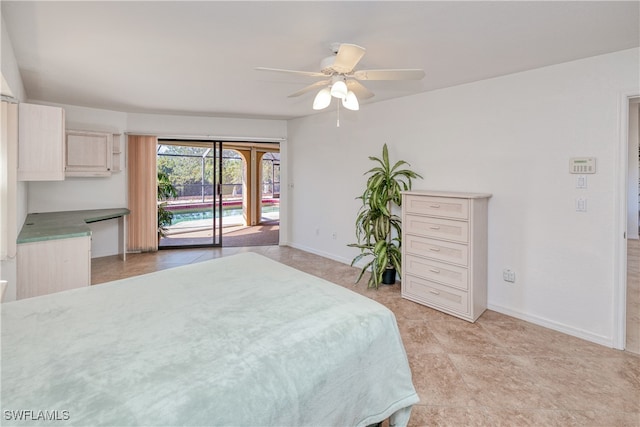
point(41, 143)
point(89, 153)
point(46, 152)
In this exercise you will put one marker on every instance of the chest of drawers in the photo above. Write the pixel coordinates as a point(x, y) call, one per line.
point(444, 251)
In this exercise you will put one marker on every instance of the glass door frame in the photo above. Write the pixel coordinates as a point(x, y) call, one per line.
point(216, 207)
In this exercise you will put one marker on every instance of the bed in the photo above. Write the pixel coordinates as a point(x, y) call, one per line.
point(237, 341)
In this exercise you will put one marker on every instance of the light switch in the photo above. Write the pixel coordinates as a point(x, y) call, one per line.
point(581, 204)
point(581, 181)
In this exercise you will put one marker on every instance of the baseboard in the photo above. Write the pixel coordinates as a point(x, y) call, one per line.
point(556, 326)
point(319, 253)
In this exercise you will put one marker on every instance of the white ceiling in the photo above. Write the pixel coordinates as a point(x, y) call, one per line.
point(198, 58)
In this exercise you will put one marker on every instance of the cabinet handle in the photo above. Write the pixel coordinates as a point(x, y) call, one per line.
point(434, 249)
point(434, 292)
point(433, 270)
point(435, 206)
point(434, 227)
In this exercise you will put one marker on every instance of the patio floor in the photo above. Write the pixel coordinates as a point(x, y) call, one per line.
point(234, 233)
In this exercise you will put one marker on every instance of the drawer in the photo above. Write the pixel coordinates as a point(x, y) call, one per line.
point(432, 293)
point(437, 227)
point(439, 206)
point(456, 253)
point(448, 274)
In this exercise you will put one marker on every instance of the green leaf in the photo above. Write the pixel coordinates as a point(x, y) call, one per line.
point(385, 154)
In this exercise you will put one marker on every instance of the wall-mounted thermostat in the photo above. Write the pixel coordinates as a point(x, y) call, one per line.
point(582, 165)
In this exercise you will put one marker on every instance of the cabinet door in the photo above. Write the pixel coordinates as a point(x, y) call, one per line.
point(40, 143)
point(53, 266)
point(89, 153)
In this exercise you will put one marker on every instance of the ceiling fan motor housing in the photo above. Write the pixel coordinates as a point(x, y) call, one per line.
point(326, 65)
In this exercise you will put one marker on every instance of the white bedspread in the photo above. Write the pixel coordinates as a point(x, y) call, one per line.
point(237, 341)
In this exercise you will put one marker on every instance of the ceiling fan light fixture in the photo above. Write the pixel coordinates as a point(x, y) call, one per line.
point(339, 89)
point(322, 99)
point(341, 79)
point(350, 102)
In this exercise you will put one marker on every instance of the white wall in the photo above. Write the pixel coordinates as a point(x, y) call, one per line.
point(199, 126)
point(9, 65)
point(511, 136)
point(97, 193)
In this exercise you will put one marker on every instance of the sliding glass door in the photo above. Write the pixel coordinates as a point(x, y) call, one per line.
point(189, 193)
point(213, 193)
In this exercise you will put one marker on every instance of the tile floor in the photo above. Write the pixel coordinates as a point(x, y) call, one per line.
point(499, 371)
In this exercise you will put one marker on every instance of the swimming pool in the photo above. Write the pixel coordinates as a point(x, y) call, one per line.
point(207, 213)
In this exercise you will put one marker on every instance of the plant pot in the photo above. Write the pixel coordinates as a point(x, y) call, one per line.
point(389, 276)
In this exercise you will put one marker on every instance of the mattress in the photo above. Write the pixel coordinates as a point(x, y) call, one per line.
point(237, 341)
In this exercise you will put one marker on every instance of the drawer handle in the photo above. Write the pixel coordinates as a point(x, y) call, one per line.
point(435, 206)
point(434, 270)
point(434, 227)
point(434, 249)
point(434, 292)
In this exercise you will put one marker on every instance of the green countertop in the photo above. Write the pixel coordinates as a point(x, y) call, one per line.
point(64, 225)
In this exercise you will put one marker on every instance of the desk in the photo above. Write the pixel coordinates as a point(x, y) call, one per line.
point(44, 226)
point(54, 250)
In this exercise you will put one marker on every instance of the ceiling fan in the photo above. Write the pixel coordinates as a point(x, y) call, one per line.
point(342, 81)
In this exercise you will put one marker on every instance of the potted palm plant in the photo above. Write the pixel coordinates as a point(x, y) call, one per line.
point(166, 190)
point(378, 229)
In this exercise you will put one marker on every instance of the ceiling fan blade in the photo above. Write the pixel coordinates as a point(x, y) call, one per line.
point(310, 88)
point(398, 74)
point(359, 89)
point(347, 58)
point(301, 73)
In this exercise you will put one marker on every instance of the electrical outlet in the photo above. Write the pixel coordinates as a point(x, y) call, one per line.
point(334, 235)
point(508, 275)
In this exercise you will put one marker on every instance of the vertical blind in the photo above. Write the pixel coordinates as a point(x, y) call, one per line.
point(142, 235)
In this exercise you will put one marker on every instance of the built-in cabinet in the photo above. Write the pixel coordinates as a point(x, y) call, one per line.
point(41, 143)
point(49, 266)
point(89, 153)
point(46, 152)
point(444, 251)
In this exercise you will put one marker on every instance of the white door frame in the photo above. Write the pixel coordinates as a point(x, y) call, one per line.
point(620, 238)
